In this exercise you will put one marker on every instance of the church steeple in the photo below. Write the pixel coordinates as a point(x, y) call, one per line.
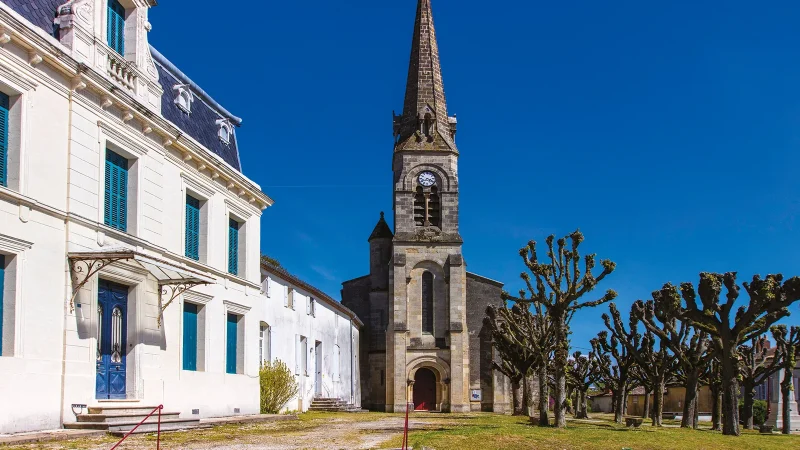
point(424, 124)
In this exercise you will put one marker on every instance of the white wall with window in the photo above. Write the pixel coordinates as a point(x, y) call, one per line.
point(317, 339)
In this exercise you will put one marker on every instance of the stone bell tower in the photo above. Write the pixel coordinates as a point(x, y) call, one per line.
point(427, 345)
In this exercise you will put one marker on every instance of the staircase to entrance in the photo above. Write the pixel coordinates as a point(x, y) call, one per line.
point(323, 404)
point(120, 417)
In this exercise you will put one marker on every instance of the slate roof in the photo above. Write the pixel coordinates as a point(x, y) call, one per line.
point(201, 124)
point(318, 295)
point(39, 12)
point(381, 230)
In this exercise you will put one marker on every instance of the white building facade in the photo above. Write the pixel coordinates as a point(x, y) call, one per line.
point(314, 335)
point(129, 236)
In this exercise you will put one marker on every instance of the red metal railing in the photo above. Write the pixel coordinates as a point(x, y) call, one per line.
point(405, 428)
point(158, 436)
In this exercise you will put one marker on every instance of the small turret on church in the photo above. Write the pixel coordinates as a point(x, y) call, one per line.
point(425, 342)
point(380, 252)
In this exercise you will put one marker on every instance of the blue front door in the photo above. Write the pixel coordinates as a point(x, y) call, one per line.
point(112, 329)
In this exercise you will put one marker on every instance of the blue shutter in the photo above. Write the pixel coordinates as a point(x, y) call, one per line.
point(4, 104)
point(233, 247)
point(189, 336)
point(192, 228)
point(2, 288)
point(230, 353)
point(116, 26)
point(116, 195)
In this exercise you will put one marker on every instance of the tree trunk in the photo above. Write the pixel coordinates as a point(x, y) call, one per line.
point(544, 398)
point(518, 397)
point(730, 392)
point(625, 396)
point(526, 396)
point(586, 404)
point(618, 409)
point(716, 410)
point(748, 395)
point(646, 412)
point(690, 400)
point(658, 400)
point(529, 408)
point(560, 374)
point(786, 410)
point(580, 407)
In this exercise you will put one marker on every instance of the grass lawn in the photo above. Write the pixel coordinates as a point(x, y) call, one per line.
point(487, 432)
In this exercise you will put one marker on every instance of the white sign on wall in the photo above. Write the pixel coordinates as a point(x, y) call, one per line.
point(476, 395)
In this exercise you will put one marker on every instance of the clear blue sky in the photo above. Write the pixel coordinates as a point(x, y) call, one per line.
point(668, 132)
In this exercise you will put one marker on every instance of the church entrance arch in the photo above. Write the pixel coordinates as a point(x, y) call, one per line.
point(424, 390)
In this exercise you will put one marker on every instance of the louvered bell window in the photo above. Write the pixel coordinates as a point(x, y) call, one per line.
point(233, 247)
point(4, 105)
point(116, 195)
point(192, 228)
point(116, 26)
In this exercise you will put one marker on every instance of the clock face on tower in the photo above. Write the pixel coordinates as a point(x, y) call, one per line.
point(427, 179)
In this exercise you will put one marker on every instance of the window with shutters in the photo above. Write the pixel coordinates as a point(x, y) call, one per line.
point(301, 357)
point(116, 191)
point(192, 228)
point(116, 26)
point(233, 246)
point(233, 340)
point(190, 322)
point(4, 118)
point(264, 349)
point(427, 302)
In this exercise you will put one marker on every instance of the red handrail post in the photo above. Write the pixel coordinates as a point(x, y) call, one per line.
point(405, 428)
point(158, 435)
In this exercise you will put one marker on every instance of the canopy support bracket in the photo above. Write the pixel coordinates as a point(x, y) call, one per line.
point(84, 269)
point(173, 290)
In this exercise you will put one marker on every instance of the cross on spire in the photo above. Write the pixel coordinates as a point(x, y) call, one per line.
point(424, 124)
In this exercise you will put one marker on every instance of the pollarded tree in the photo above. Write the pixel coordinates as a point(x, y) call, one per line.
point(582, 375)
point(754, 368)
point(513, 346)
point(559, 287)
point(690, 345)
point(615, 374)
point(788, 343)
point(769, 302)
point(657, 364)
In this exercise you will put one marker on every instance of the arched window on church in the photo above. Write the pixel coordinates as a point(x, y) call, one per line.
point(419, 207)
point(427, 302)
point(427, 125)
point(434, 210)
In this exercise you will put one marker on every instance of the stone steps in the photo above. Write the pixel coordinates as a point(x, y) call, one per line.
point(120, 418)
point(333, 405)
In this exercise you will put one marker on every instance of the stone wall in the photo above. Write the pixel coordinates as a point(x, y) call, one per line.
point(482, 292)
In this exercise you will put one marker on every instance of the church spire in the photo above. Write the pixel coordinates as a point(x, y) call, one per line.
point(424, 124)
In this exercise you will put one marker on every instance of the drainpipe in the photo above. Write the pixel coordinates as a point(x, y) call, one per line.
point(352, 366)
point(67, 271)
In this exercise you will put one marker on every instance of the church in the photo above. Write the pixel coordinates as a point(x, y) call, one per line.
point(424, 340)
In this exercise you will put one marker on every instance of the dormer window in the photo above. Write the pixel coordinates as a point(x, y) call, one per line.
point(116, 26)
point(184, 98)
point(225, 130)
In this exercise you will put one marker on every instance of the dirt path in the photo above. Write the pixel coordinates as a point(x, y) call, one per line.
point(350, 431)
